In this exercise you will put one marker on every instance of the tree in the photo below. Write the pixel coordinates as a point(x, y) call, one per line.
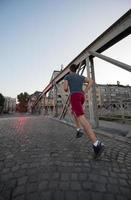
point(23, 99)
point(2, 100)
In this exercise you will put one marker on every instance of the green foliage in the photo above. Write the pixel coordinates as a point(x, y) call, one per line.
point(23, 99)
point(2, 100)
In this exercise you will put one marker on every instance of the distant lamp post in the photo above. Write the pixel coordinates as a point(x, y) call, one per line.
point(62, 66)
point(118, 82)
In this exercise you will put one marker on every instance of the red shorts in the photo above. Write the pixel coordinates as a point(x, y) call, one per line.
point(77, 101)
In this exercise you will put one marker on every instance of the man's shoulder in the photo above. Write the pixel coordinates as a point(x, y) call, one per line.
point(73, 75)
point(66, 77)
point(81, 76)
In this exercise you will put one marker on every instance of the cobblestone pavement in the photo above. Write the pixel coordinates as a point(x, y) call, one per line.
point(40, 159)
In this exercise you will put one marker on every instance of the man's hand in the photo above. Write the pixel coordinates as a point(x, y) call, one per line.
point(89, 82)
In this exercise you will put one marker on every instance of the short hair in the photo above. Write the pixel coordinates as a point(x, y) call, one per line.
point(73, 68)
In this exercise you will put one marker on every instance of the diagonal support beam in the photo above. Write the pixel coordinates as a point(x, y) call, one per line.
point(111, 60)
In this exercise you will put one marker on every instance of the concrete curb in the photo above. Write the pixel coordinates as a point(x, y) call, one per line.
point(129, 135)
point(97, 130)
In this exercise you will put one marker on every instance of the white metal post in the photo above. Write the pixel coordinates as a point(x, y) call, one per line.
point(91, 94)
point(55, 101)
point(94, 94)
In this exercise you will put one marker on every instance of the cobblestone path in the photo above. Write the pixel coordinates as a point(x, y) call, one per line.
point(40, 159)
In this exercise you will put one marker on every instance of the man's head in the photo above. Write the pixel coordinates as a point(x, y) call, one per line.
point(73, 68)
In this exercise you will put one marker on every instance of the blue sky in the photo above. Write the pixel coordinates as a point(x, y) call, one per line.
point(37, 36)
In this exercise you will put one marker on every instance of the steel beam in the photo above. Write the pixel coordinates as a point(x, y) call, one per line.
point(117, 31)
point(112, 61)
point(120, 29)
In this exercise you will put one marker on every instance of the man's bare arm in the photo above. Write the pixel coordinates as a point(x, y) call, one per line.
point(65, 86)
point(89, 84)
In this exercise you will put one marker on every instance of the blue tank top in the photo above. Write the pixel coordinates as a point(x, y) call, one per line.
point(75, 82)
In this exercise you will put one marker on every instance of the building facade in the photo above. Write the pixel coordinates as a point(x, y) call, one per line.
point(114, 99)
point(9, 105)
point(32, 99)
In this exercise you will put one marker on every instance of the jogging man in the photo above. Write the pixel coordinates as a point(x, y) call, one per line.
point(74, 82)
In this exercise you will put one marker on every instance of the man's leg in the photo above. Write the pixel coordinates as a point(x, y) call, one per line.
point(87, 127)
point(97, 145)
point(77, 101)
point(78, 126)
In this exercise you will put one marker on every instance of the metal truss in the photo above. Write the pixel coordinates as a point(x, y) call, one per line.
point(116, 32)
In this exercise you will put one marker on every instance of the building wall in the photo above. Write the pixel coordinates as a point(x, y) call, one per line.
point(113, 93)
point(9, 105)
